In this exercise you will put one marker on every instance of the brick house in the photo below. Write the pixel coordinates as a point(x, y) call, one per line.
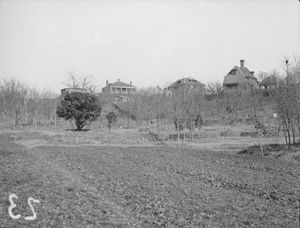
point(118, 91)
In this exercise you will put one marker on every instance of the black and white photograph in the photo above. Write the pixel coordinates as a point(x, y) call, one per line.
point(149, 114)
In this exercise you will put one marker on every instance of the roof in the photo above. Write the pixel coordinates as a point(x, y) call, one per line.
point(74, 90)
point(240, 76)
point(268, 81)
point(82, 89)
point(122, 84)
point(247, 73)
point(186, 81)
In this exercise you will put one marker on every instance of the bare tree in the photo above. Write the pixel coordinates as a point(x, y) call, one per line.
point(286, 97)
point(48, 104)
point(12, 97)
point(177, 101)
point(215, 90)
point(262, 75)
point(74, 81)
point(255, 105)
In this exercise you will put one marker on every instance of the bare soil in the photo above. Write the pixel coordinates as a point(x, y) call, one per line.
point(83, 181)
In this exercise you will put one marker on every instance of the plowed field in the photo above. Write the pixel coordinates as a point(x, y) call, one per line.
point(145, 186)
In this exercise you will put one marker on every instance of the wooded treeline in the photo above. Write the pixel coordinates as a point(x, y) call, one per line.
point(22, 105)
point(189, 108)
point(184, 108)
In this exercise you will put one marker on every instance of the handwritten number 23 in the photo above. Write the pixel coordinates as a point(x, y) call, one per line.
point(13, 205)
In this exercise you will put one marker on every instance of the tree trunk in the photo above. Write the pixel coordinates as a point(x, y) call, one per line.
point(192, 128)
point(284, 131)
point(35, 120)
point(13, 123)
point(54, 120)
point(288, 136)
point(163, 130)
point(288, 130)
point(26, 114)
point(224, 138)
point(260, 146)
point(217, 101)
point(178, 138)
point(293, 132)
point(298, 118)
point(79, 125)
point(16, 118)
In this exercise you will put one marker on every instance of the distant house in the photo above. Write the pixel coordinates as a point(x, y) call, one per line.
point(268, 82)
point(240, 77)
point(118, 91)
point(73, 90)
point(185, 83)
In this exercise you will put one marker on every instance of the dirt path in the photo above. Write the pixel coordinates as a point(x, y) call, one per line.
point(66, 200)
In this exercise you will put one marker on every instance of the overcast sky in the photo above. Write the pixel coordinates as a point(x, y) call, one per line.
point(147, 42)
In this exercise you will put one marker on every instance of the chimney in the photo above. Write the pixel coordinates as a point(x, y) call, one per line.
point(106, 82)
point(252, 72)
point(130, 83)
point(118, 80)
point(242, 63)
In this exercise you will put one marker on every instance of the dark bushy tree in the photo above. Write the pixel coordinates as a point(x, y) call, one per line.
point(196, 121)
point(112, 119)
point(80, 107)
point(179, 123)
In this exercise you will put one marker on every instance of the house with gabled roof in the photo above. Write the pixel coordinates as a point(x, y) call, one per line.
point(189, 82)
point(119, 91)
point(240, 77)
